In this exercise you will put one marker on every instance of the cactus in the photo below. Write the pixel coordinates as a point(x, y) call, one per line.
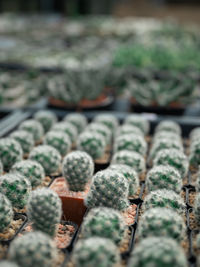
point(131, 142)
point(164, 177)
point(161, 222)
point(17, 189)
point(68, 128)
point(104, 222)
point(168, 126)
point(194, 157)
point(130, 158)
point(31, 170)
point(1, 168)
point(158, 252)
point(78, 120)
point(130, 174)
point(109, 189)
point(92, 143)
point(46, 118)
point(48, 157)
point(197, 208)
point(44, 210)
point(166, 135)
point(58, 140)
point(129, 129)
point(25, 139)
point(8, 264)
point(10, 152)
point(109, 120)
point(34, 127)
point(138, 121)
point(6, 213)
point(174, 158)
point(194, 134)
point(165, 199)
point(95, 251)
point(100, 128)
point(78, 169)
point(34, 249)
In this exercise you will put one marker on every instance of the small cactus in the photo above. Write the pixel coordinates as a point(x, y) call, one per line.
point(68, 128)
point(17, 189)
point(138, 121)
point(8, 264)
point(25, 139)
point(44, 210)
point(101, 129)
point(10, 152)
point(194, 157)
point(109, 120)
point(109, 189)
point(46, 118)
point(197, 208)
point(95, 251)
point(34, 127)
point(129, 129)
point(104, 222)
point(1, 168)
point(158, 252)
point(78, 120)
point(6, 212)
point(48, 157)
point(168, 126)
point(161, 177)
point(31, 170)
point(34, 249)
point(78, 169)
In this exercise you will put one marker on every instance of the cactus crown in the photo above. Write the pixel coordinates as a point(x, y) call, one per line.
point(78, 168)
point(68, 128)
point(34, 127)
point(78, 120)
point(129, 129)
point(168, 126)
point(34, 249)
point(109, 120)
point(46, 118)
point(138, 121)
point(100, 128)
point(6, 212)
point(25, 139)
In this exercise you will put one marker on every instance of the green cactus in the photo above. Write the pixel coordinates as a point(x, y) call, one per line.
point(96, 251)
point(78, 120)
point(109, 189)
point(31, 170)
point(129, 129)
point(25, 139)
point(6, 212)
point(48, 157)
point(68, 128)
point(34, 249)
point(194, 157)
point(100, 128)
point(194, 134)
point(138, 121)
point(158, 252)
point(168, 126)
point(34, 127)
point(10, 152)
point(166, 135)
point(164, 198)
point(109, 120)
point(17, 189)
point(104, 222)
point(78, 169)
point(8, 264)
point(1, 168)
point(197, 208)
point(46, 118)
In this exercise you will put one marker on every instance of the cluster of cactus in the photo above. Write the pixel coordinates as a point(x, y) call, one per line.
point(68, 128)
point(194, 157)
point(168, 126)
point(31, 170)
point(109, 189)
point(6, 212)
point(34, 249)
point(100, 128)
point(10, 152)
point(95, 251)
point(138, 121)
point(46, 118)
point(25, 139)
point(109, 120)
point(78, 169)
point(129, 129)
point(34, 127)
point(48, 157)
point(78, 120)
point(159, 252)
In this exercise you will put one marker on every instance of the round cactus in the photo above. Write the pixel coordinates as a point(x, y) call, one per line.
point(174, 158)
point(78, 169)
point(44, 210)
point(34, 249)
point(195, 134)
point(158, 252)
point(197, 208)
point(34, 127)
point(92, 143)
point(31, 170)
point(109, 189)
point(8, 264)
point(10, 152)
point(194, 157)
point(78, 120)
point(1, 168)
point(129, 129)
point(168, 126)
point(67, 128)
point(25, 139)
point(48, 157)
point(138, 121)
point(100, 128)
point(161, 222)
point(166, 135)
point(6, 212)
point(109, 120)
point(46, 118)
point(130, 174)
point(58, 140)
point(95, 251)
point(165, 199)
point(164, 177)
point(17, 189)
point(130, 158)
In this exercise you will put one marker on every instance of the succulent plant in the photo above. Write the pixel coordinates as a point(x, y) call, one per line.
point(78, 169)
point(31, 170)
point(95, 251)
point(6, 212)
point(164, 198)
point(78, 120)
point(6, 263)
point(25, 139)
point(194, 134)
point(109, 189)
point(34, 127)
point(166, 135)
point(138, 121)
point(164, 177)
point(68, 128)
point(168, 126)
point(46, 118)
point(197, 208)
point(130, 158)
point(10, 152)
point(48, 157)
point(1, 168)
point(194, 157)
point(17, 189)
point(100, 128)
point(34, 249)
point(158, 252)
point(174, 158)
point(109, 120)
point(129, 129)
